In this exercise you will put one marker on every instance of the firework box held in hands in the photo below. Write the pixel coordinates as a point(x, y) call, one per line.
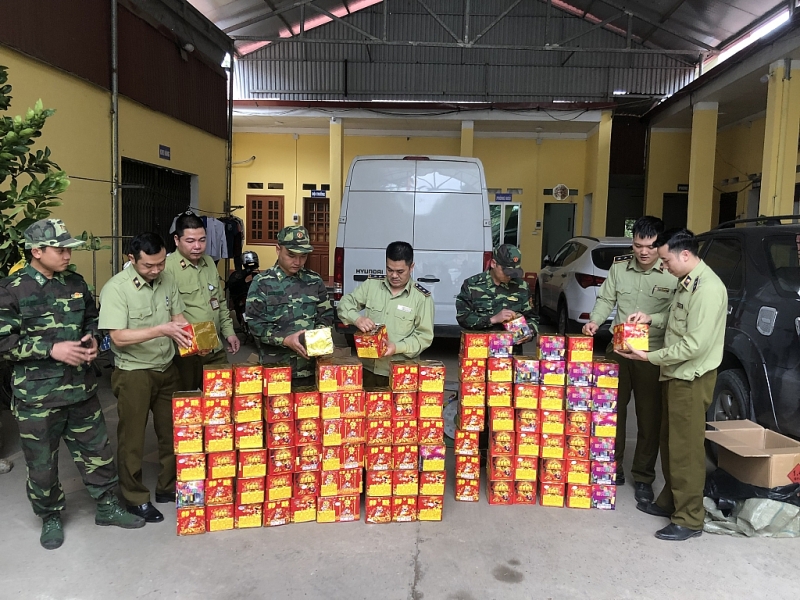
point(248, 515)
point(637, 335)
point(277, 513)
point(604, 424)
point(217, 382)
point(405, 458)
point(430, 507)
point(580, 348)
point(472, 369)
point(604, 497)
point(579, 398)
point(525, 468)
point(468, 490)
point(279, 407)
point(468, 467)
point(579, 373)
point(501, 345)
point(251, 491)
point(474, 345)
point(526, 369)
point(604, 399)
point(524, 492)
point(526, 395)
point(318, 342)
point(277, 379)
point(192, 520)
point(190, 467)
point(499, 394)
point(219, 438)
point(431, 376)
point(551, 397)
point(500, 492)
point(528, 443)
point(248, 379)
point(219, 491)
point(204, 338)
point(602, 448)
point(193, 348)
point(606, 374)
point(552, 494)
point(304, 509)
point(250, 407)
point(430, 404)
point(519, 329)
point(187, 439)
point(404, 376)
point(216, 411)
point(466, 443)
point(578, 471)
point(502, 442)
point(307, 404)
point(473, 393)
point(253, 463)
point(552, 372)
point(187, 408)
point(551, 347)
point(431, 483)
point(378, 510)
point(579, 496)
point(431, 457)
point(221, 465)
point(378, 404)
point(372, 344)
point(219, 518)
point(603, 473)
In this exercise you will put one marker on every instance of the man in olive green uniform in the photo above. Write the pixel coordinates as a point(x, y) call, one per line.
point(488, 299)
point(48, 329)
point(397, 301)
point(203, 296)
point(143, 312)
point(693, 347)
point(637, 282)
point(286, 300)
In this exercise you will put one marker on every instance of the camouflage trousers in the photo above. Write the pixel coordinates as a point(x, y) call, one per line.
point(83, 429)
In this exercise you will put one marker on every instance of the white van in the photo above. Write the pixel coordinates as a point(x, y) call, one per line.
point(438, 204)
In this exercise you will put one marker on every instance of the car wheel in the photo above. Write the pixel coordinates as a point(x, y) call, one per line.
point(730, 402)
point(562, 318)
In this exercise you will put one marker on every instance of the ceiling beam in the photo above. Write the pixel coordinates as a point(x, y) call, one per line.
point(332, 16)
point(281, 17)
point(264, 17)
point(499, 18)
point(663, 19)
point(602, 23)
point(438, 19)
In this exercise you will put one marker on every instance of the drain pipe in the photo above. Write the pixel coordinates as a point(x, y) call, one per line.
point(115, 249)
point(229, 159)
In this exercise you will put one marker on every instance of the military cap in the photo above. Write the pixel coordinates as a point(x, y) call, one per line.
point(50, 232)
point(509, 257)
point(295, 239)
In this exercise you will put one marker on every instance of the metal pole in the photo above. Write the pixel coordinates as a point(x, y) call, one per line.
point(229, 158)
point(115, 251)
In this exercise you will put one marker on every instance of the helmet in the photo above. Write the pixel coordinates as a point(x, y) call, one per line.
point(250, 260)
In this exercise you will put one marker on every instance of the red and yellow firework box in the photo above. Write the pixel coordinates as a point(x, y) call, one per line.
point(604, 497)
point(354, 430)
point(217, 382)
point(604, 399)
point(430, 404)
point(251, 491)
point(221, 465)
point(553, 421)
point(502, 442)
point(578, 423)
point(306, 484)
point(378, 483)
point(552, 494)
point(473, 393)
point(471, 418)
point(553, 470)
point(191, 520)
point(501, 418)
point(526, 420)
point(524, 492)
point(280, 434)
point(277, 513)
point(379, 432)
point(347, 509)
point(378, 403)
point(404, 405)
point(190, 467)
point(187, 408)
point(604, 424)
point(405, 457)
point(637, 335)
point(602, 448)
point(552, 372)
point(339, 374)
point(551, 347)
point(432, 484)
point(525, 468)
point(309, 457)
point(578, 471)
point(332, 432)
point(431, 431)
point(279, 407)
point(468, 467)
point(329, 484)
point(219, 438)
point(404, 376)
point(579, 496)
point(551, 397)
point(579, 398)
point(353, 404)
point(308, 431)
point(378, 510)
point(405, 483)
point(405, 431)
point(248, 379)
point(250, 407)
point(526, 369)
point(499, 394)
point(187, 439)
point(277, 379)
point(279, 487)
point(430, 507)
point(472, 369)
point(603, 473)
point(500, 468)
point(468, 490)
point(580, 373)
point(350, 482)
point(466, 443)
point(251, 435)
point(353, 455)
point(526, 395)
point(499, 369)
point(304, 509)
point(500, 492)
point(431, 457)
point(219, 517)
point(326, 510)
point(605, 374)
point(580, 348)
point(246, 516)
point(528, 443)
point(552, 445)
point(379, 458)
point(216, 411)
point(307, 404)
point(253, 463)
point(474, 345)
point(576, 447)
point(331, 458)
point(372, 344)
point(331, 405)
point(431, 376)
point(404, 509)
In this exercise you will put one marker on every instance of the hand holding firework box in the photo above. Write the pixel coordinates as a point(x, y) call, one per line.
point(277, 513)
point(501, 345)
point(405, 483)
point(253, 463)
point(604, 424)
point(498, 394)
point(187, 408)
point(502, 442)
point(500, 492)
point(579, 398)
point(309, 457)
point(248, 379)
point(405, 457)
point(192, 349)
point(353, 405)
point(219, 492)
point(500, 369)
point(528, 443)
point(372, 344)
point(431, 457)
point(307, 404)
point(277, 379)
point(466, 443)
point(604, 399)
point(308, 431)
point(551, 397)
point(379, 432)
point(576, 447)
point(279, 407)
point(604, 497)
point(580, 373)
point(431, 483)
point(318, 342)
point(190, 467)
point(552, 494)
point(378, 483)
point(552, 372)
point(524, 492)
point(474, 345)
point(471, 418)
point(473, 393)
point(379, 404)
point(606, 374)
point(205, 337)
point(279, 487)
point(430, 507)
point(221, 465)
point(603, 473)
point(526, 395)
point(553, 421)
point(404, 405)
point(526, 369)
point(250, 407)
point(602, 449)
point(552, 445)
point(380, 458)
point(579, 496)
point(551, 347)
point(404, 376)
point(219, 438)
point(187, 439)
point(431, 404)
point(405, 431)
point(279, 435)
point(217, 382)
point(404, 509)
point(379, 510)
point(578, 423)
point(525, 468)
point(431, 376)
point(216, 411)
point(578, 471)
point(353, 455)
point(580, 348)
point(501, 418)
point(468, 490)
point(519, 329)
point(219, 518)
point(251, 491)
point(191, 521)
point(472, 369)
point(248, 515)
point(468, 467)
point(304, 509)
point(635, 335)
point(190, 493)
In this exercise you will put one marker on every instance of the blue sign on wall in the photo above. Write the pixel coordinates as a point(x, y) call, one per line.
point(502, 197)
point(163, 152)
point(318, 194)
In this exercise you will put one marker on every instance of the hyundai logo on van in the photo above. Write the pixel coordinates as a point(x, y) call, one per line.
point(369, 271)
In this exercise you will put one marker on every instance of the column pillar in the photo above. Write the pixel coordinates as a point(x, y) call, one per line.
point(336, 178)
point(702, 158)
point(600, 194)
point(467, 138)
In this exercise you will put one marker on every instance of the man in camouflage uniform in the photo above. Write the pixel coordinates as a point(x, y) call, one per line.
point(286, 300)
point(488, 299)
point(48, 328)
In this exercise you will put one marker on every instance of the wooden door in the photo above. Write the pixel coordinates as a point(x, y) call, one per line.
point(317, 219)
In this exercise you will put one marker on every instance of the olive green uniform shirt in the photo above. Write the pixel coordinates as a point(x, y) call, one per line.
point(408, 317)
point(129, 302)
point(201, 290)
point(695, 325)
point(632, 289)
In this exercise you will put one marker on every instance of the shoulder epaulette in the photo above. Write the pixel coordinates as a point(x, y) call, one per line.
point(694, 287)
point(622, 258)
point(183, 264)
point(375, 276)
point(422, 289)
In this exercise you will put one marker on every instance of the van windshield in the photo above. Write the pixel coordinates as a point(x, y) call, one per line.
point(783, 256)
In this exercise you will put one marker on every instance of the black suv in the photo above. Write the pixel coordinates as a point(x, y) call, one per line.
point(758, 260)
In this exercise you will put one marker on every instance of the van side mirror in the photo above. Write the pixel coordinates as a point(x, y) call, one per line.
point(547, 261)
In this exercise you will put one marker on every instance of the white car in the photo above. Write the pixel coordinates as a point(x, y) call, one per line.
point(567, 286)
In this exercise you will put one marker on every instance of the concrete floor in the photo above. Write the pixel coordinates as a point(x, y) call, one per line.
point(477, 552)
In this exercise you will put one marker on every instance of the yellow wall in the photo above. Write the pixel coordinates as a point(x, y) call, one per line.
point(79, 136)
point(667, 166)
point(739, 152)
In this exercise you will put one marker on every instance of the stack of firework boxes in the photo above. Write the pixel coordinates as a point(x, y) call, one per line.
point(404, 457)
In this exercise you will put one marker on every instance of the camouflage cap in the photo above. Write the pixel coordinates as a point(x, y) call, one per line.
point(510, 258)
point(50, 232)
point(295, 239)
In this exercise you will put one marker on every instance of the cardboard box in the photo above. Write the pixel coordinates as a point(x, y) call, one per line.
point(216, 411)
point(248, 379)
point(405, 483)
point(468, 490)
point(501, 418)
point(525, 468)
point(326, 510)
point(499, 393)
point(502, 442)
point(332, 403)
point(604, 424)
point(526, 395)
point(605, 374)
point(552, 494)
point(755, 455)
point(307, 405)
point(354, 430)
point(576, 447)
point(528, 443)
point(378, 404)
point(553, 421)
point(466, 443)
point(430, 507)
point(339, 374)
point(551, 347)
point(371, 344)
point(219, 518)
point(526, 369)
point(353, 405)
point(631, 335)
point(524, 492)
point(554, 470)
point(277, 379)
point(519, 329)
point(404, 405)
point(378, 483)
point(308, 457)
point(190, 467)
point(604, 497)
point(318, 342)
point(431, 376)
point(308, 431)
point(405, 431)
point(552, 372)
point(431, 431)
point(404, 509)
point(249, 435)
point(280, 434)
point(379, 432)
point(331, 458)
point(468, 467)
point(501, 344)
point(552, 445)
point(432, 483)
point(190, 493)
point(217, 382)
point(350, 482)
point(500, 492)
point(551, 397)
point(604, 399)
point(221, 465)
point(473, 393)
point(430, 404)
point(527, 420)
point(474, 345)
point(500, 468)
point(472, 369)
point(329, 484)
point(187, 439)
point(253, 463)
point(279, 487)
point(346, 509)
point(251, 491)
point(279, 407)
point(580, 348)
point(500, 370)
point(579, 398)
point(431, 457)
point(352, 456)
point(248, 408)
point(277, 513)
point(191, 521)
point(404, 376)
point(219, 438)
point(378, 510)
point(187, 408)
point(332, 431)
point(603, 473)
point(602, 449)
point(580, 373)
point(579, 471)
point(405, 457)
point(579, 496)
point(578, 423)
point(246, 516)
point(304, 509)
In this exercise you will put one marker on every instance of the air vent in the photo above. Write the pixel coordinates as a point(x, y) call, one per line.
point(492, 191)
point(274, 186)
point(325, 187)
point(514, 191)
point(573, 192)
point(251, 185)
point(309, 186)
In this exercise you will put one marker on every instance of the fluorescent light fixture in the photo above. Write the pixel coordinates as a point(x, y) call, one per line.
point(620, 92)
point(759, 32)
